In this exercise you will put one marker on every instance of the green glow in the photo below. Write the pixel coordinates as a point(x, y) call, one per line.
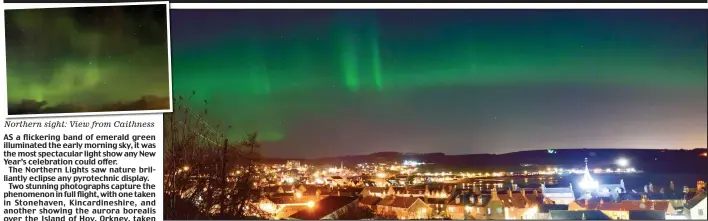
point(350, 66)
point(265, 78)
point(376, 58)
point(55, 56)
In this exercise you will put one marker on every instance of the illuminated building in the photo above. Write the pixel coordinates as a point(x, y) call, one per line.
point(620, 210)
point(404, 207)
point(291, 164)
point(592, 188)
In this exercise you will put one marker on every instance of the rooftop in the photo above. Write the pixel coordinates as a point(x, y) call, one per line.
point(578, 215)
point(324, 207)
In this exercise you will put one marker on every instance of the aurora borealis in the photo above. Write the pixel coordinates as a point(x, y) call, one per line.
point(341, 82)
point(87, 59)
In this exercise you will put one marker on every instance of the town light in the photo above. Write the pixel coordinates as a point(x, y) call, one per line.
point(530, 213)
point(311, 204)
point(267, 207)
point(185, 168)
point(588, 184)
point(623, 162)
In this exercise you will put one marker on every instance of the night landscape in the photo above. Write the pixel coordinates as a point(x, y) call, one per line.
point(437, 114)
point(89, 59)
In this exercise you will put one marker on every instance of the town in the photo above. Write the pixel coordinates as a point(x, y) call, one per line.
point(294, 190)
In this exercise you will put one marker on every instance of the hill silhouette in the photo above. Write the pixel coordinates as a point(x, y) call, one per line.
point(660, 161)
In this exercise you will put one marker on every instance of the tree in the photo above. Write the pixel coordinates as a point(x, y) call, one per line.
point(386, 215)
point(243, 193)
point(357, 212)
point(189, 156)
point(198, 163)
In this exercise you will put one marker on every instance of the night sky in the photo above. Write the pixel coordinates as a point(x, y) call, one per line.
point(87, 59)
point(342, 82)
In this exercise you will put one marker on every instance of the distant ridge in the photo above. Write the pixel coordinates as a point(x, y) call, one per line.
point(655, 160)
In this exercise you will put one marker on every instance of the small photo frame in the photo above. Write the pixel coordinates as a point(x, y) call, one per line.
point(87, 59)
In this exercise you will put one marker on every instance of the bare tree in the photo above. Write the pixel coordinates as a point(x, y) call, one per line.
point(386, 215)
point(198, 161)
point(357, 212)
point(243, 194)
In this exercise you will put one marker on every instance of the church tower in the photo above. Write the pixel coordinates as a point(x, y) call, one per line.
point(587, 183)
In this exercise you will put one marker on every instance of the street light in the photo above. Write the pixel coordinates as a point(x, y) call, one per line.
point(623, 162)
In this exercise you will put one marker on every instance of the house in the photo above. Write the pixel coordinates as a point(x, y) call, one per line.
point(579, 215)
point(278, 189)
point(379, 182)
point(544, 211)
point(460, 205)
point(496, 208)
point(284, 205)
point(338, 181)
point(696, 207)
point(481, 207)
point(331, 207)
point(370, 201)
point(675, 198)
point(558, 195)
point(404, 207)
point(620, 210)
point(438, 205)
point(517, 204)
point(350, 191)
point(612, 190)
point(377, 191)
point(646, 215)
point(494, 204)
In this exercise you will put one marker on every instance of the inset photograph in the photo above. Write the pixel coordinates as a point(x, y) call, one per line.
point(88, 60)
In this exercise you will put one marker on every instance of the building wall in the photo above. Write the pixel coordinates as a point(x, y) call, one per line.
point(420, 210)
point(480, 212)
point(413, 212)
point(623, 215)
point(563, 199)
point(542, 216)
point(456, 211)
point(516, 213)
point(574, 206)
point(699, 211)
point(671, 209)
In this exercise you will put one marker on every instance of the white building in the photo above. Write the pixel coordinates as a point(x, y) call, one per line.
point(696, 207)
point(558, 195)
